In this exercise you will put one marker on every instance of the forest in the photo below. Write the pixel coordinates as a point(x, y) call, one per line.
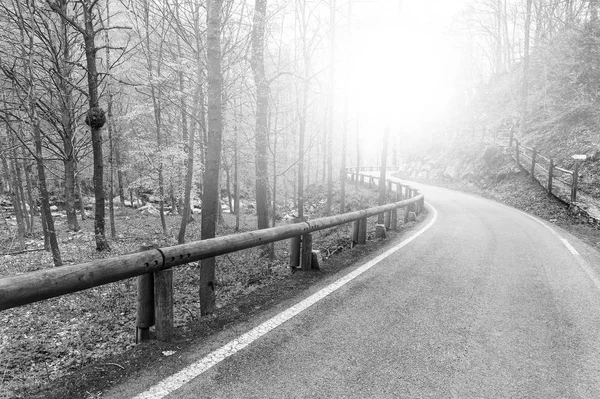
point(128, 122)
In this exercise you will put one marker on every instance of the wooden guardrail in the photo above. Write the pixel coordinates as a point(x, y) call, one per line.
point(150, 263)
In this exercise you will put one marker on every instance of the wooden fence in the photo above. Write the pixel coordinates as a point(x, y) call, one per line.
point(557, 181)
point(155, 297)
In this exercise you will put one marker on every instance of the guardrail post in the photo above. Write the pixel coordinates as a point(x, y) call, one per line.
point(550, 175)
point(295, 248)
point(394, 219)
point(306, 252)
point(163, 304)
point(145, 303)
point(407, 208)
point(362, 231)
point(533, 156)
point(517, 152)
point(398, 192)
point(371, 181)
point(355, 229)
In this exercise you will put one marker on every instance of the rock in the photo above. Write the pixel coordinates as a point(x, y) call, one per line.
point(316, 260)
point(380, 230)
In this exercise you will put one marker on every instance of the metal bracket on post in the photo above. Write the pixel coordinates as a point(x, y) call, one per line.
point(145, 316)
point(355, 230)
point(145, 307)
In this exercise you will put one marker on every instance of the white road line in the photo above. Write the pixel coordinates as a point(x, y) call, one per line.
point(177, 380)
point(582, 263)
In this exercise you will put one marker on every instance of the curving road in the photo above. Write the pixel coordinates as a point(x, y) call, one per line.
point(487, 302)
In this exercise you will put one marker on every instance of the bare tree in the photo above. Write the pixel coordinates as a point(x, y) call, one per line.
point(210, 194)
point(262, 109)
point(85, 22)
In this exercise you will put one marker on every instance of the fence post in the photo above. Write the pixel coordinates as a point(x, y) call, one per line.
point(306, 252)
point(371, 182)
point(362, 231)
point(145, 303)
point(533, 156)
point(575, 179)
point(517, 152)
point(550, 175)
point(387, 220)
point(163, 304)
point(398, 192)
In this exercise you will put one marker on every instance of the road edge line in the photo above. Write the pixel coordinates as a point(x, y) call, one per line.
point(179, 379)
point(582, 263)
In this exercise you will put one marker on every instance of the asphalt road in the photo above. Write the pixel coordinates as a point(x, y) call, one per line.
point(487, 303)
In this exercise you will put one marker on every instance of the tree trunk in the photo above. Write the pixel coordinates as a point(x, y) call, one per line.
point(343, 174)
point(382, 173)
point(68, 121)
point(210, 192)
point(357, 150)
point(120, 184)
point(95, 128)
point(157, 110)
point(79, 192)
point(525, 87)
point(16, 198)
point(37, 137)
point(302, 109)
point(111, 203)
point(111, 146)
point(23, 217)
point(262, 109)
point(331, 117)
point(45, 197)
point(236, 180)
point(189, 174)
point(32, 207)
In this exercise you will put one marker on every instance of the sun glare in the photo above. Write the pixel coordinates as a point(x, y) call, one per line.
point(400, 66)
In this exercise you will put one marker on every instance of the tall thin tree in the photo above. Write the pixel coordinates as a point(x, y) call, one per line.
point(210, 193)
